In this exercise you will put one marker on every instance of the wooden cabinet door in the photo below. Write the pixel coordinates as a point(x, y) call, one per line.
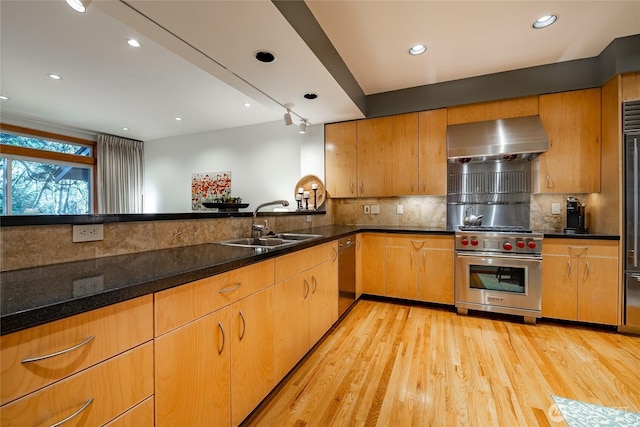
point(373, 264)
point(252, 352)
point(597, 290)
point(375, 157)
point(493, 110)
point(435, 282)
point(192, 374)
point(405, 154)
point(340, 159)
point(559, 286)
point(572, 123)
point(432, 161)
point(323, 302)
point(292, 298)
point(401, 267)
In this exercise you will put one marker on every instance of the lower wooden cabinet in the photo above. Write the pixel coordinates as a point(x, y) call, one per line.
point(91, 397)
point(580, 280)
point(373, 266)
point(193, 373)
point(140, 415)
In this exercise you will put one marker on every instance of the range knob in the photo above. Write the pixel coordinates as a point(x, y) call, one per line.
point(464, 241)
point(520, 244)
point(532, 245)
point(474, 242)
point(507, 246)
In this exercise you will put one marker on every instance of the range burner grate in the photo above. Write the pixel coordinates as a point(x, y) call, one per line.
point(501, 229)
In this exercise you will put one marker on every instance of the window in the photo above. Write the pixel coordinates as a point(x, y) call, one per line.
point(44, 173)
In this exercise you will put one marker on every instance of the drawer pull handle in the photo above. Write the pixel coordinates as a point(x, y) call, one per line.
point(244, 325)
point(75, 414)
point(223, 337)
point(58, 353)
point(568, 268)
point(587, 271)
point(335, 254)
point(230, 288)
point(315, 284)
point(307, 288)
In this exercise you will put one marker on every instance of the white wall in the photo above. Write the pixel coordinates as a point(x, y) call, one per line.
point(266, 161)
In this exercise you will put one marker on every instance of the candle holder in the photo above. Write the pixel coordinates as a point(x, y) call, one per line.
point(299, 201)
point(315, 199)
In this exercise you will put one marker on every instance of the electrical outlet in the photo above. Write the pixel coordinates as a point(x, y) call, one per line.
point(308, 218)
point(375, 209)
point(555, 208)
point(88, 233)
point(367, 209)
point(399, 209)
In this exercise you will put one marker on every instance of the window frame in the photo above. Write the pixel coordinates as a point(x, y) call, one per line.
point(25, 153)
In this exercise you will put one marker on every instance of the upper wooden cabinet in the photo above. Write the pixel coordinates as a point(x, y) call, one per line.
point(341, 150)
point(405, 154)
point(432, 162)
point(493, 110)
point(572, 123)
point(375, 157)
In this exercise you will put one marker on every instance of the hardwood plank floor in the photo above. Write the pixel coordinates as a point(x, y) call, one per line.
point(390, 364)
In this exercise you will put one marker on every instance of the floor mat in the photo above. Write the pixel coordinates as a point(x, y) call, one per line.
point(581, 414)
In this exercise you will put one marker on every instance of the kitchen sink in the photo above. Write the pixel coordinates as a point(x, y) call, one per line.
point(271, 241)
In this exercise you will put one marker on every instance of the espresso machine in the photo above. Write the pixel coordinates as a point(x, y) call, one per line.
point(575, 217)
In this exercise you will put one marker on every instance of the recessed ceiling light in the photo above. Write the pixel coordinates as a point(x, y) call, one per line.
point(4, 97)
point(178, 118)
point(310, 95)
point(246, 104)
point(125, 128)
point(54, 76)
point(79, 5)
point(418, 49)
point(265, 56)
point(544, 21)
point(133, 43)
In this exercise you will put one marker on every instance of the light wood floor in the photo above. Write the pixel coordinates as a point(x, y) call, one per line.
point(388, 364)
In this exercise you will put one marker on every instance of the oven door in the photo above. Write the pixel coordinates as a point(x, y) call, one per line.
point(489, 282)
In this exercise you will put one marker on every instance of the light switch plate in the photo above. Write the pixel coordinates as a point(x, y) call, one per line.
point(367, 209)
point(555, 208)
point(399, 209)
point(375, 209)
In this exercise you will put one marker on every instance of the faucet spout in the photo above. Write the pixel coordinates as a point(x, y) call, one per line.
point(257, 229)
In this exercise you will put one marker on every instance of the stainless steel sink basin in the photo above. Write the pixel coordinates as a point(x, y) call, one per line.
point(271, 241)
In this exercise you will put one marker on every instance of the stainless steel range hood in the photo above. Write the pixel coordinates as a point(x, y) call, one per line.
point(518, 136)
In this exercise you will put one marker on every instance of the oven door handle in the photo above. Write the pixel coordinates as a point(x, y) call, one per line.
point(501, 256)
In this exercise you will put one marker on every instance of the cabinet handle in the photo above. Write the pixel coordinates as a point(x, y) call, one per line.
point(548, 181)
point(244, 325)
point(75, 414)
point(335, 254)
point(411, 255)
point(587, 271)
point(315, 283)
point(306, 282)
point(424, 261)
point(362, 187)
point(223, 337)
point(424, 185)
point(230, 288)
point(412, 186)
point(351, 187)
point(58, 353)
point(568, 268)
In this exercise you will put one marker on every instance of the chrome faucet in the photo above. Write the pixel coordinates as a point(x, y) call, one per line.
point(257, 229)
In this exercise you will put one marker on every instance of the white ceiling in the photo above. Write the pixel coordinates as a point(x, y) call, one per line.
point(196, 61)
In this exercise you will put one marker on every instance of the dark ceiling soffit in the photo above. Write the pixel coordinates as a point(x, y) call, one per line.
point(304, 23)
point(621, 56)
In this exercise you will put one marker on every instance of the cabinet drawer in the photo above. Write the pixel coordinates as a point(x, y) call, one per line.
point(140, 415)
point(297, 262)
point(417, 241)
point(580, 247)
point(114, 329)
point(182, 304)
point(107, 389)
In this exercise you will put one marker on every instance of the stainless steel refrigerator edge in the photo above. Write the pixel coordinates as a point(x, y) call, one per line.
point(631, 218)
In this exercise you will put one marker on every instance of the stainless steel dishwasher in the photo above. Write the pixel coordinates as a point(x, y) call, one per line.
point(346, 273)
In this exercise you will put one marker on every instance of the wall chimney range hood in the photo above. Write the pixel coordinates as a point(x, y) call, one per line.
point(518, 137)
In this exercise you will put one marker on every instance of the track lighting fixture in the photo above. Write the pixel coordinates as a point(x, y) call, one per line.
point(287, 118)
point(303, 126)
point(79, 5)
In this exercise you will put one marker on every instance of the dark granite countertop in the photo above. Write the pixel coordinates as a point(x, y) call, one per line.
point(592, 236)
point(33, 296)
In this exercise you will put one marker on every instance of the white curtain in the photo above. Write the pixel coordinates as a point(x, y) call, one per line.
point(120, 175)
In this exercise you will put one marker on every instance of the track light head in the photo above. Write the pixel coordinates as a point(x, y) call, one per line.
point(287, 118)
point(79, 5)
point(303, 126)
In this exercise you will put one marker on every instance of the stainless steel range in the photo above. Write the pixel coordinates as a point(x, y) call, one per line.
point(498, 269)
